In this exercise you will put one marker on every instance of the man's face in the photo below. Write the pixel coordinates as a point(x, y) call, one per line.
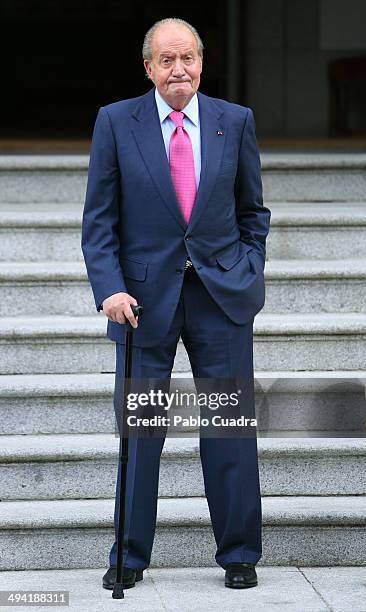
point(175, 67)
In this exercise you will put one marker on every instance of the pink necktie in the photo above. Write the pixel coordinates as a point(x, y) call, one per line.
point(181, 163)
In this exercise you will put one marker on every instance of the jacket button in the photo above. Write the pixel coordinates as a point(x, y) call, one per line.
point(188, 237)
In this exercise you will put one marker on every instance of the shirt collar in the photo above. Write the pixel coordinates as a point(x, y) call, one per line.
point(191, 110)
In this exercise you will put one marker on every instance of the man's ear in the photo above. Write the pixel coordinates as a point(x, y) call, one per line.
point(147, 68)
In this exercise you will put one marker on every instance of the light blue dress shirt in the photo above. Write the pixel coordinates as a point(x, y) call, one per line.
point(191, 123)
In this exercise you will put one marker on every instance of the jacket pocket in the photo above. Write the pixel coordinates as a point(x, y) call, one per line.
point(232, 255)
point(136, 270)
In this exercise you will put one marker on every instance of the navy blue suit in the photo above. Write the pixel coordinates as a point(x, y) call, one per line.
point(135, 240)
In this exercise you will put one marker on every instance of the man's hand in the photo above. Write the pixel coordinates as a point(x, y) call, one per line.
point(117, 308)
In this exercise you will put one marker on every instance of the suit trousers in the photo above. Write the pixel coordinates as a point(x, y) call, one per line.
point(217, 348)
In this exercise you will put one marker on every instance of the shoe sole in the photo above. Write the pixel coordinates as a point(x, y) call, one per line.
point(139, 576)
point(241, 586)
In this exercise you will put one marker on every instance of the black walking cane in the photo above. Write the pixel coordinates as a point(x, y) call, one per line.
point(118, 585)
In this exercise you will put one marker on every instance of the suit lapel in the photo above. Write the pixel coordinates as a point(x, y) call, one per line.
point(149, 139)
point(212, 147)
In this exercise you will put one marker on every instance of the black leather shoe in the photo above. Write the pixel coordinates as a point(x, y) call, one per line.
point(129, 577)
point(240, 576)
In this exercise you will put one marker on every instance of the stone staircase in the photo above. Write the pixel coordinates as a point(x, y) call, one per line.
point(59, 452)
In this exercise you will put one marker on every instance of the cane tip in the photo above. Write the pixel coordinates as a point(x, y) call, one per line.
point(118, 591)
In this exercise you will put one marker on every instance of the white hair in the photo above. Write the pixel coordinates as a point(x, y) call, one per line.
point(146, 47)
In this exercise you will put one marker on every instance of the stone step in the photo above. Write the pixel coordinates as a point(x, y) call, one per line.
point(288, 401)
point(28, 179)
point(40, 232)
point(296, 286)
point(55, 344)
point(304, 530)
point(325, 341)
point(299, 230)
point(314, 177)
point(320, 230)
point(85, 466)
point(53, 287)
point(56, 403)
point(62, 288)
point(286, 177)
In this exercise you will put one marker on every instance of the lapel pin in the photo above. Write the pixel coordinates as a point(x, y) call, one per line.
point(219, 133)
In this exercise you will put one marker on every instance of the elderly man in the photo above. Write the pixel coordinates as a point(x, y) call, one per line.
point(174, 220)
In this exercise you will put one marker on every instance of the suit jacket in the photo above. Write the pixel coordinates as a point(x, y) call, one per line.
point(134, 237)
